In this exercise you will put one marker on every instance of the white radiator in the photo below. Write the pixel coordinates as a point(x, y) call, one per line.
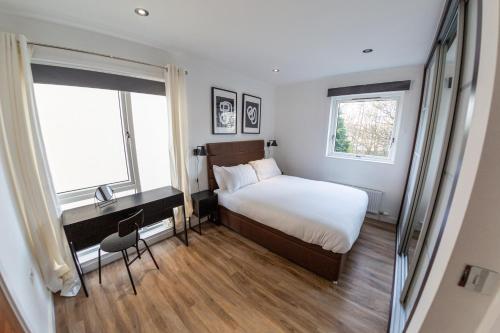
point(374, 198)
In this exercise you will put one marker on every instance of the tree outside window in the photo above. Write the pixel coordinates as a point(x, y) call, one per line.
point(364, 127)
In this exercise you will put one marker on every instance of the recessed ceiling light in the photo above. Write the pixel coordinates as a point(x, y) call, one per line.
point(141, 12)
point(367, 50)
point(276, 70)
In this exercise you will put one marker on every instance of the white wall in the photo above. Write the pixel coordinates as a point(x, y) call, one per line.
point(202, 76)
point(302, 114)
point(18, 269)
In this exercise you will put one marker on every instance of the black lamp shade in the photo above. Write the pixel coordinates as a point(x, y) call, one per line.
point(272, 143)
point(200, 151)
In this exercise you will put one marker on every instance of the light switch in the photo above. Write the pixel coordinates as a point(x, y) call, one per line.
point(479, 279)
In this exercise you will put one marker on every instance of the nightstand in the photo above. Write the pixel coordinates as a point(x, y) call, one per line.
point(204, 204)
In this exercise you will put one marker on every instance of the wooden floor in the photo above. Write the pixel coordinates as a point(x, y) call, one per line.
point(225, 283)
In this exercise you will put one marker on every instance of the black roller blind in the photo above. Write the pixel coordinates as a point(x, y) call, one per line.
point(84, 78)
point(370, 88)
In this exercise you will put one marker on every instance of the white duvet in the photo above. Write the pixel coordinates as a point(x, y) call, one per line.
point(321, 213)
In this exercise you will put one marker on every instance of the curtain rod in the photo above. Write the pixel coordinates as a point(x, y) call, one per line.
point(99, 54)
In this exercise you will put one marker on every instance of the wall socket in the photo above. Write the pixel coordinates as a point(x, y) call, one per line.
point(478, 279)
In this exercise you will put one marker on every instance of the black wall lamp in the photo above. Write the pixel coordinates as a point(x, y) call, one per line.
point(272, 143)
point(269, 144)
point(199, 151)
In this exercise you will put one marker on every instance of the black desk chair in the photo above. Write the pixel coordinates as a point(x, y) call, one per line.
point(126, 237)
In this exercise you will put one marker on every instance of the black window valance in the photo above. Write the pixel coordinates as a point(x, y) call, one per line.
point(84, 78)
point(370, 88)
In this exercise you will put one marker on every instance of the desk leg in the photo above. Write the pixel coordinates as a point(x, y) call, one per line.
point(199, 223)
point(78, 267)
point(185, 240)
point(185, 225)
point(173, 219)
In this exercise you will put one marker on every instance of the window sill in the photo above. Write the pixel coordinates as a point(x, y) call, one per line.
point(361, 159)
point(83, 197)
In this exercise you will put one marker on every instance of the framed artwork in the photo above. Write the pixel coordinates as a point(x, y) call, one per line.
point(224, 117)
point(251, 112)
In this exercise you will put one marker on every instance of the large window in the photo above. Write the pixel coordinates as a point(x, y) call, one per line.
point(96, 136)
point(364, 126)
point(87, 139)
point(151, 139)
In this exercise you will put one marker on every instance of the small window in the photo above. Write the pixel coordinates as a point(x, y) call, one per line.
point(364, 126)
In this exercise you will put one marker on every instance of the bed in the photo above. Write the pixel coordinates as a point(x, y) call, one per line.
point(311, 223)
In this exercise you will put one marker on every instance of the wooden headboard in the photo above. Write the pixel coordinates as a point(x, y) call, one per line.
point(231, 153)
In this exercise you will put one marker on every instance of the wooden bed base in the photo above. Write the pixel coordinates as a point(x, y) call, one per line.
point(326, 264)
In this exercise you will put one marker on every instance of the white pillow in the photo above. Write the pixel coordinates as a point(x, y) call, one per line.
point(266, 168)
point(239, 176)
point(219, 177)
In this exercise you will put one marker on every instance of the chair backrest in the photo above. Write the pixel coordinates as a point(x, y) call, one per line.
point(131, 224)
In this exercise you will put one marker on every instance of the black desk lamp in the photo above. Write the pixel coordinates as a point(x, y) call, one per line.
point(199, 151)
point(269, 144)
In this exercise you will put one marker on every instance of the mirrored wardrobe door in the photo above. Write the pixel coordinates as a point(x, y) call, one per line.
point(420, 149)
point(439, 139)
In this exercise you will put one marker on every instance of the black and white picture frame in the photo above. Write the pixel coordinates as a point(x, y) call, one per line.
point(251, 114)
point(224, 113)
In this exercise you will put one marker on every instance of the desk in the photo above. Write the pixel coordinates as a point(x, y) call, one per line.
point(88, 225)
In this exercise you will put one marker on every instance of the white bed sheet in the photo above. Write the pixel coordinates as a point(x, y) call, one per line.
point(322, 213)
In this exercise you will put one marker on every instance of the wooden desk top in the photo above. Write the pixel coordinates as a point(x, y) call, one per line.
point(92, 211)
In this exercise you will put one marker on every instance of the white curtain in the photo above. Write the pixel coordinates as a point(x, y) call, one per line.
point(175, 80)
point(23, 151)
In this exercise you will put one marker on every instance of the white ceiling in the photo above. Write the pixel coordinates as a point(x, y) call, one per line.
point(306, 39)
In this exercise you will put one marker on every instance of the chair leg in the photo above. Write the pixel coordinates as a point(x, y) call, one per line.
point(126, 255)
point(128, 271)
point(151, 254)
point(99, 260)
point(137, 249)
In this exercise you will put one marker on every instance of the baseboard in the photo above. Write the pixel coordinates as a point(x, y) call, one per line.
point(382, 218)
point(398, 315)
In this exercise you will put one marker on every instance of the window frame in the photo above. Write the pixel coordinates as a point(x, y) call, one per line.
point(133, 181)
point(332, 126)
